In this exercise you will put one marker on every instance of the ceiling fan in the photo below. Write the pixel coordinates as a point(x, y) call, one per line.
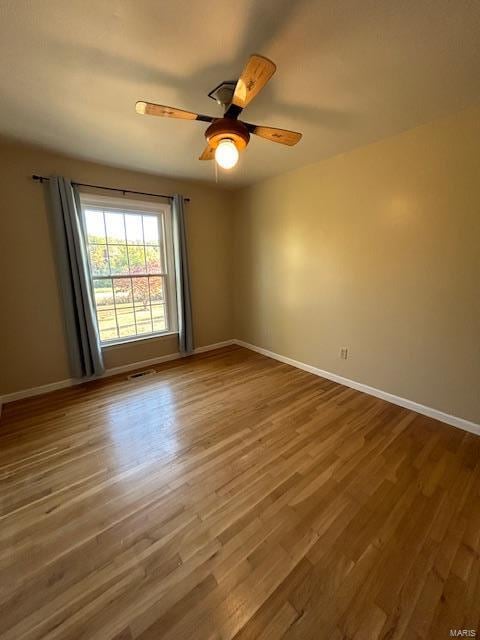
point(228, 135)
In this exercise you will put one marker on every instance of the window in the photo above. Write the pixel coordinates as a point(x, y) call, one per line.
point(130, 255)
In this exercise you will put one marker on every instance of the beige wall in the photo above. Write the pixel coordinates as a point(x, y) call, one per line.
point(377, 250)
point(32, 341)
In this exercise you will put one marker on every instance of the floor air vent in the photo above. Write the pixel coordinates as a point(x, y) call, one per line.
point(141, 374)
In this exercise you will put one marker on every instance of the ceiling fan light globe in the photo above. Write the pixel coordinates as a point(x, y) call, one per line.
point(141, 107)
point(226, 154)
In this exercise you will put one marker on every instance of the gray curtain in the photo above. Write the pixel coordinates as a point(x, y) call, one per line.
point(184, 304)
point(81, 327)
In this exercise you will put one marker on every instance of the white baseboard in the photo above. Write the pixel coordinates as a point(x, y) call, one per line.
point(38, 391)
point(217, 345)
point(71, 382)
point(454, 421)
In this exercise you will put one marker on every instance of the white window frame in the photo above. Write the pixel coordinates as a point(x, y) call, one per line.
point(163, 211)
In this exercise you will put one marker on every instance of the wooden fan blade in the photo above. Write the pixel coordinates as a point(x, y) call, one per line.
point(283, 136)
point(208, 153)
point(152, 109)
point(255, 75)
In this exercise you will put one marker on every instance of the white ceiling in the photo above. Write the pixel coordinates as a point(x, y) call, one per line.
point(349, 72)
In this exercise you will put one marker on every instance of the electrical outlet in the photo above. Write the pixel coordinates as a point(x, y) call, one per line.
point(344, 353)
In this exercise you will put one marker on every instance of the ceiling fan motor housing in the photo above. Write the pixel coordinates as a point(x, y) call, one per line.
point(223, 93)
point(227, 128)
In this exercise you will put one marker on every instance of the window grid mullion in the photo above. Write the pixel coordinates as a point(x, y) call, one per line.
point(165, 309)
point(162, 245)
point(150, 302)
point(144, 246)
point(146, 270)
point(125, 276)
point(163, 249)
point(110, 271)
point(130, 272)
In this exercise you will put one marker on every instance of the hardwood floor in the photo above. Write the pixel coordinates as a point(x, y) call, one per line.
point(232, 496)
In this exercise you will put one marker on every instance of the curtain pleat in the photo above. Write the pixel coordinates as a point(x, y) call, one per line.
point(184, 303)
point(83, 341)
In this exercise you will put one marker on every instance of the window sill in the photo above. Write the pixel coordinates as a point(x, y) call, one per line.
point(151, 336)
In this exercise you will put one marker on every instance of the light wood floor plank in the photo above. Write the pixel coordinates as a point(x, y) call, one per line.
point(232, 496)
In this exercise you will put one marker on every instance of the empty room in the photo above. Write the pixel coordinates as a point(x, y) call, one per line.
point(240, 320)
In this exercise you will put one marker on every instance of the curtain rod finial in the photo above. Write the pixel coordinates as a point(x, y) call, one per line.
point(40, 179)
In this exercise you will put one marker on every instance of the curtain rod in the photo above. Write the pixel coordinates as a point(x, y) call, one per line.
point(97, 186)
